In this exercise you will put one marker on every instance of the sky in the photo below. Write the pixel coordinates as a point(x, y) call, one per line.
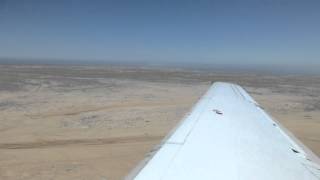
point(270, 33)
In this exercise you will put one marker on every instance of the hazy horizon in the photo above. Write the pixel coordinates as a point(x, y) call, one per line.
point(258, 35)
point(229, 68)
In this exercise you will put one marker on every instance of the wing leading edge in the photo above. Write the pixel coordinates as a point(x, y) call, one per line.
point(228, 136)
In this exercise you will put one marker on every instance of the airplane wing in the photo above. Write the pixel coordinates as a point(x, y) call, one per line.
point(228, 136)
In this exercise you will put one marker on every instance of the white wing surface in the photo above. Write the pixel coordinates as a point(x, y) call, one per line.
point(227, 136)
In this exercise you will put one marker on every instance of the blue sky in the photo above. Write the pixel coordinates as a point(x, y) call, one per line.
point(243, 32)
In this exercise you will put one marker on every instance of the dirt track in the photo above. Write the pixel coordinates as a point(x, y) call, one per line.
point(79, 142)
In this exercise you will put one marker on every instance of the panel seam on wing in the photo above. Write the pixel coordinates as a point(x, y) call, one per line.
point(181, 144)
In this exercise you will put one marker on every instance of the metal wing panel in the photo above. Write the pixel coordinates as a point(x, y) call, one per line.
point(227, 136)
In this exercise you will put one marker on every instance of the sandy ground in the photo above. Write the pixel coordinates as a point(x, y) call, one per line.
point(99, 122)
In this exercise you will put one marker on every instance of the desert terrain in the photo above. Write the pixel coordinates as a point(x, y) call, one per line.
point(88, 122)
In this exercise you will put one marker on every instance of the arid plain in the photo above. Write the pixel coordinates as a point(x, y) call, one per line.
point(83, 122)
